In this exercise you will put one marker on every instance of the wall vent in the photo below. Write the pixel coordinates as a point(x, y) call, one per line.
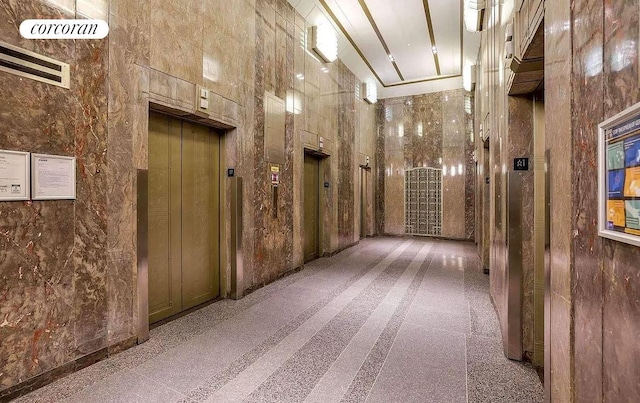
point(31, 65)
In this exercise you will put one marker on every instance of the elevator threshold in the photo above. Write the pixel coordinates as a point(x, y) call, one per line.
point(184, 313)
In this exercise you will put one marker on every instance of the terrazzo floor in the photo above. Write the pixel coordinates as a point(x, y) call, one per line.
point(389, 320)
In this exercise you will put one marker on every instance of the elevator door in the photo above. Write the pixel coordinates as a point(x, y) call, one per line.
point(311, 207)
point(184, 269)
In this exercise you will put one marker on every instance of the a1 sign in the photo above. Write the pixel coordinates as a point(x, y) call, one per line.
point(521, 164)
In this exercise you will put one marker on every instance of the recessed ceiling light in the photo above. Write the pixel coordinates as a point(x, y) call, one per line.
point(391, 58)
point(434, 50)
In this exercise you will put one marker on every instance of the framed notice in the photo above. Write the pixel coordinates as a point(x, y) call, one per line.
point(53, 177)
point(619, 177)
point(14, 175)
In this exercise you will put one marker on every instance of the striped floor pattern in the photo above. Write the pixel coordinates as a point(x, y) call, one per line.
point(389, 320)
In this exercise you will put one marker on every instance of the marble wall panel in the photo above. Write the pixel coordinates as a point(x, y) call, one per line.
point(558, 103)
point(182, 38)
point(587, 246)
point(520, 139)
point(54, 251)
point(71, 265)
point(90, 253)
point(346, 165)
point(621, 310)
point(591, 73)
point(470, 171)
point(127, 142)
point(381, 171)
point(426, 131)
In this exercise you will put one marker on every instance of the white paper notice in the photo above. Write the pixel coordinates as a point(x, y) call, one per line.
point(54, 177)
point(13, 176)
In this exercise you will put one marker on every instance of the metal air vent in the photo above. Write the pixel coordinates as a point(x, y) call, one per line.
point(31, 65)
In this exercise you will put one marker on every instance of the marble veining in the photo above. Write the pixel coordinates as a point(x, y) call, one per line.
point(428, 130)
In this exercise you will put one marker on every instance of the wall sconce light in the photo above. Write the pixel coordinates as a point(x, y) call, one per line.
point(508, 50)
point(508, 45)
point(474, 14)
point(508, 32)
point(469, 77)
point(370, 92)
point(324, 42)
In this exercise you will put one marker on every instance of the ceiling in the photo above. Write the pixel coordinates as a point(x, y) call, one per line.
point(407, 46)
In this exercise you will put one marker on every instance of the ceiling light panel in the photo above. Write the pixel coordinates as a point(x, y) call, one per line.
point(358, 27)
point(446, 20)
point(402, 23)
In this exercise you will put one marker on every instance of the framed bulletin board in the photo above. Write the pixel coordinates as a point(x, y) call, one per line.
point(14, 175)
point(619, 177)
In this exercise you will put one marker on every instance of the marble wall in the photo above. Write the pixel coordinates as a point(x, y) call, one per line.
point(53, 259)
point(591, 73)
point(431, 130)
point(508, 121)
point(69, 267)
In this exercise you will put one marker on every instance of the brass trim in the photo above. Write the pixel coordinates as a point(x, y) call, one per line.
point(366, 11)
point(143, 254)
point(424, 81)
point(432, 36)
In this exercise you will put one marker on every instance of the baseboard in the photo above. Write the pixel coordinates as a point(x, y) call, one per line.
point(76, 365)
point(335, 252)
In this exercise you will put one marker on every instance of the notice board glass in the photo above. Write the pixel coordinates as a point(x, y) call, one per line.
point(619, 177)
point(14, 175)
point(53, 177)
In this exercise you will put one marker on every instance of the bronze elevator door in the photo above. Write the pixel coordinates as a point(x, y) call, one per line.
point(184, 267)
point(311, 207)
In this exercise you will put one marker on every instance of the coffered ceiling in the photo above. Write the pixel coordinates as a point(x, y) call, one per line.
point(406, 46)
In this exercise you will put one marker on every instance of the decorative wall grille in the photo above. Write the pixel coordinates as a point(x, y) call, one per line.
point(423, 201)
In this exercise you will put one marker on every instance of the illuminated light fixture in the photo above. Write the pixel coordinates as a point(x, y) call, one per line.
point(300, 76)
point(370, 92)
point(324, 42)
point(474, 14)
point(508, 50)
point(434, 50)
point(508, 44)
point(508, 32)
point(469, 77)
point(391, 57)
